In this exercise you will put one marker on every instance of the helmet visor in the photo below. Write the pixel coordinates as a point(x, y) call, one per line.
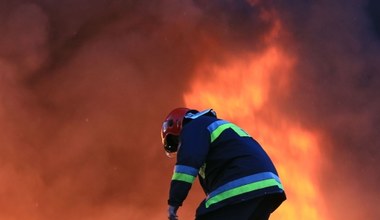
point(171, 143)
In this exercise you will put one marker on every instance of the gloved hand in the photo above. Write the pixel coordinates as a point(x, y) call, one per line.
point(172, 211)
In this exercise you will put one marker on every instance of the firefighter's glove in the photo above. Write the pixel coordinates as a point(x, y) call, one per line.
point(172, 211)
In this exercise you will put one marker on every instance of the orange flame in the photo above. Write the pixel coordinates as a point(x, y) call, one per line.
point(245, 91)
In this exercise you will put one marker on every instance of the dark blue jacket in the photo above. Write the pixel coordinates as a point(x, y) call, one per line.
point(231, 165)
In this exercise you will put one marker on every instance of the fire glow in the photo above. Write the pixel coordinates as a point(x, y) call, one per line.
point(85, 85)
point(240, 91)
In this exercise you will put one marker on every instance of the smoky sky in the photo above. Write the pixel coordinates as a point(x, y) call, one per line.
point(84, 87)
point(337, 90)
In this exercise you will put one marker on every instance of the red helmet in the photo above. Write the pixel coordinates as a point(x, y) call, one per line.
point(171, 129)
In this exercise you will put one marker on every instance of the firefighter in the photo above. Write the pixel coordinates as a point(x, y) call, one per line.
point(237, 175)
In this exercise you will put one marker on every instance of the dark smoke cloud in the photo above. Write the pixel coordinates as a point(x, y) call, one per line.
point(84, 86)
point(337, 91)
point(83, 89)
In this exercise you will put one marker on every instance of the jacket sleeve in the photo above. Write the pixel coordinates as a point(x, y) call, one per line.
point(195, 140)
point(182, 180)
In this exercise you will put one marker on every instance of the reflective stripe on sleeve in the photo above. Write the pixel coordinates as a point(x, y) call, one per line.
point(184, 173)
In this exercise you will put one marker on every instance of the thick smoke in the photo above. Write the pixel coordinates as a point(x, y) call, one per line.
point(336, 90)
point(84, 86)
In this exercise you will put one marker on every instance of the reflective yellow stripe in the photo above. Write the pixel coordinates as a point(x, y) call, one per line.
point(243, 185)
point(183, 177)
point(216, 128)
point(243, 189)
